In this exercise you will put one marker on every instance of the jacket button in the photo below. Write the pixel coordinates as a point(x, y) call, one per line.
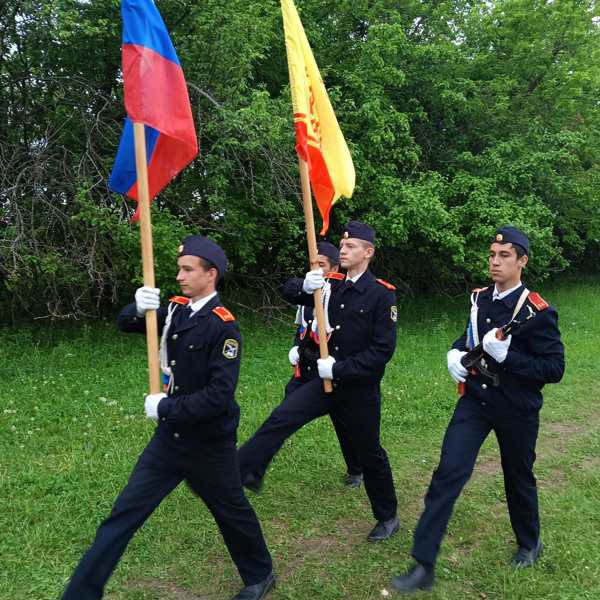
point(164, 419)
point(310, 322)
point(173, 362)
point(488, 320)
point(308, 368)
point(175, 336)
point(176, 388)
point(337, 326)
point(336, 348)
point(341, 306)
point(483, 404)
point(176, 435)
point(191, 346)
point(361, 310)
point(484, 386)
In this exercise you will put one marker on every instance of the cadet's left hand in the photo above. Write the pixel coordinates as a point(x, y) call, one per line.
point(151, 405)
point(325, 366)
point(497, 349)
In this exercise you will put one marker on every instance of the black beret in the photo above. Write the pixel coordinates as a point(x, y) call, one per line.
point(198, 245)
point(511, 235)
point(360, 231)
point(330, 251)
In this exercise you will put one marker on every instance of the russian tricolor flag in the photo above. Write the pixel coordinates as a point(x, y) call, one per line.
point(156, 95)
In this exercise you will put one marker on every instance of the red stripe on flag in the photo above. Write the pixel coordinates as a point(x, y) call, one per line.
point(156, 93)
point(320, 180)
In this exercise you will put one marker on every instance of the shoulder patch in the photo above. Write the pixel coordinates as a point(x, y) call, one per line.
point(223, 314)
point(179, 300)
point(537, 301)
point(333, 275)
point(475, 290)
point(386, 284)
point(230, 349)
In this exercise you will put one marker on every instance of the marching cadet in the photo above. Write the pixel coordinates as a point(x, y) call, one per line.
point(195, 439)
point(503, 394)
point(305, 352)
point(362, 323)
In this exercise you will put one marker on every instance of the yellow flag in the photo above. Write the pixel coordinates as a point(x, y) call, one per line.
point(319, 139)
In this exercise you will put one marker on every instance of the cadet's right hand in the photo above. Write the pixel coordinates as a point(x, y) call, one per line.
point(455, 367)
point(146, 298)
point(314, 280)
point(294, 356)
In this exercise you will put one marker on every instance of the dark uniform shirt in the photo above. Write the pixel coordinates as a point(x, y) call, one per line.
point(535, 355)
point(204, 356)
point(363, 318)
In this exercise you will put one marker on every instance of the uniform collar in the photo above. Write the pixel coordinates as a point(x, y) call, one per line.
point(363, 280)
point(196, 306)
point(189, 322)
point(496, 295)
point(355, 278)
point(512, 297)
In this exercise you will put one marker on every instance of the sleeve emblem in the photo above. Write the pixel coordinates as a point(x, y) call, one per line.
point(394, 313)
point(231, 348)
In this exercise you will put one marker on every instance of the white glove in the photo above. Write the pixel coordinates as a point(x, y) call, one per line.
point(151, 405)
point(294, 356)
point(146, 298)
point(455, 367)
point(313, 280)
point(497, 349)
point(325, 366)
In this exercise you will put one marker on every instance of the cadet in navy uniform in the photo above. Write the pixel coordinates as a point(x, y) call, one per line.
point(523, 363)
point(362, 319)
point(305, 352)
point(195, 439)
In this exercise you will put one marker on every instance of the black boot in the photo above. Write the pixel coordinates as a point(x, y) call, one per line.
point(258, 591)
point(252, 482)
point(353, 481)
point(416, 578)
point(525, 557)
point(384, 530)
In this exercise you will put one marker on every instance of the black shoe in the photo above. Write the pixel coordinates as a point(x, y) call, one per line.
point(258, 590)
point(416, 578)
point(353, 481)
point(525, 557)
point(384, 530)
point(252, 482)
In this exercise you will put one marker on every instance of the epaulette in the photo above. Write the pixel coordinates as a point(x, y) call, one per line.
point(537, 301)
point(223, 314)
point(333, 275)
point(386, 284)
point(475, 290)
point(179, 300)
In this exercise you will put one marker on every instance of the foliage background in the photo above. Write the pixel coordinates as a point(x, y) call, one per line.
point(460, 115)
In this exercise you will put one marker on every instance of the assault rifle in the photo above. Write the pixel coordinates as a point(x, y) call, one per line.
point(474, 359)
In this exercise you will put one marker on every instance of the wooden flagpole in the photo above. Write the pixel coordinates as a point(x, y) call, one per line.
point(311, 238)
point(141, 166)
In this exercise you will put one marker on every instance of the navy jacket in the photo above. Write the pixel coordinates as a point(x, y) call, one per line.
point(535, 357)
point(204, 355)
point(363, 317)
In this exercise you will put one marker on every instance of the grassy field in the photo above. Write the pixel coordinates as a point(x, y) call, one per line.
point(72, 425)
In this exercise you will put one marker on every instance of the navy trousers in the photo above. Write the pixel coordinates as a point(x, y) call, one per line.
point(341, 430)
point(470, 425)
point(213, 475)
point(359, 409)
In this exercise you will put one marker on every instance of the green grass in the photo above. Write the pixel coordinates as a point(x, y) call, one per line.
point(72, 425)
